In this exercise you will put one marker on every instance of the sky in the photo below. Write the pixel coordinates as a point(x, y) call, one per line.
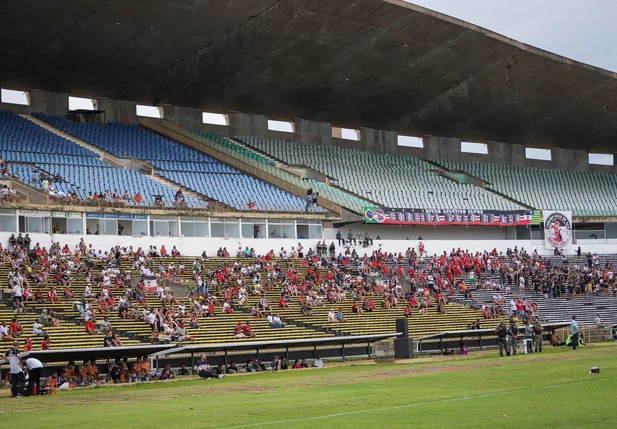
point(581, 30)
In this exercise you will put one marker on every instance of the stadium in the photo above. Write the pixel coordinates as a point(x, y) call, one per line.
point(258, 213)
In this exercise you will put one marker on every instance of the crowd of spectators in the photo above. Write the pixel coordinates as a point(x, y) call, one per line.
point(311, 278)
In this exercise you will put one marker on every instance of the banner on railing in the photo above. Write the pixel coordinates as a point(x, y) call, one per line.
point(557, 229)
point(390, 216)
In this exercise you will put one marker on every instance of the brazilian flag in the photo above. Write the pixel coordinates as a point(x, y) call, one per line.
point(369, 214)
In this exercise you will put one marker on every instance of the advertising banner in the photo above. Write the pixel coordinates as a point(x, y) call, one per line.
point(391, 216)
point(557, 230)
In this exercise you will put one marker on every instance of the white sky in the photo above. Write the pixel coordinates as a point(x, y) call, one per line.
point(583, 31)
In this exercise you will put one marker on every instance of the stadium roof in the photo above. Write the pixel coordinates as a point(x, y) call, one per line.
point(375, 63)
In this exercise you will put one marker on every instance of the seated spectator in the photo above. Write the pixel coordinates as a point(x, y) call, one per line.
point(248, 330)
point(203, 369)
point(46, 343)
point(239, 330)
point(4, 333)
point(37, 328)
point(90, 328)
point(318, 362)
point(183, 370)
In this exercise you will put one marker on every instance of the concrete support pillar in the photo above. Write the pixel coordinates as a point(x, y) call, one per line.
point(314, 132)
point(124, 112)
point(378, 140)
point(187, 117)
point(244, 124)
point(436, 147)
point(49, 103)
point(505, 153)
point(571, 160)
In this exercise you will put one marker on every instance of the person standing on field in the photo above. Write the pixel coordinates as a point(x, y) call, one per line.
point(501, 332)
point(512, 337)
point(537, 336)
point(574, 329)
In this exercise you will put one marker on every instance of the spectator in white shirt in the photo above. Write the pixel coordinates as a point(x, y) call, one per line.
point(37, 328)
point(318, 363)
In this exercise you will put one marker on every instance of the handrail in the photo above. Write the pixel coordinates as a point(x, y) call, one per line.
point(232, 158)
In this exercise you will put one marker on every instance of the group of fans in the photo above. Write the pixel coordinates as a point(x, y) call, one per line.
point(317, 278)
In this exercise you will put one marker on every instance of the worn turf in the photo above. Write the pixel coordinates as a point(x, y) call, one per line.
point(542, 390)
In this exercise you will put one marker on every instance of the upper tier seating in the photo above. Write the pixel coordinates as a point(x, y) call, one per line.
point(582, 192)
point(183, 165)
point(345, 199)
point(391, 180)
point(24, 142)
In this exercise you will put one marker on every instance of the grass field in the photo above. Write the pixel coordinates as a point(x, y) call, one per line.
point(543, 390)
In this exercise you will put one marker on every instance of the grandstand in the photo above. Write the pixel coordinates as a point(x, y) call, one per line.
point(392, 181)
point(182, 165)
point(345, 198)
point(293, 218)
point(29, 147)
point(584, 193)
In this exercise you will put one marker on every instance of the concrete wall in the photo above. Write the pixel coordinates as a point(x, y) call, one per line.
point(373, 140)
point(192, 246)
point(244, 124)
point(314, 132)
point(124, 112)
point(436, 147)
point(572, 160)
point(48, 102)
point(413, 232)
point(187, 117)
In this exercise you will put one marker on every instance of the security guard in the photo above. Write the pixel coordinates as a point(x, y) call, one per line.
point(512, 337)
point(537, 336)
point(501, 332)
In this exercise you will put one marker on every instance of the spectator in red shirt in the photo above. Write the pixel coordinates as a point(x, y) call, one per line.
point(248, 330)
point(90, 328)
point(46, 343)
point(28, 345)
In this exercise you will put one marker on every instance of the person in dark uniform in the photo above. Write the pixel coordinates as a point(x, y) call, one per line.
point(512, 337)
point(537, 336)
point(502, 333)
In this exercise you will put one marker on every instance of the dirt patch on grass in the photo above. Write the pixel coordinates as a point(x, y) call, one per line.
point(26, 410)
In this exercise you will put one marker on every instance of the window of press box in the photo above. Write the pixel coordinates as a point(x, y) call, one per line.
point(224, 228)
point(37, 225)
point(253, 228)
point(194, 227)
point(164, 228)
point(61, 225)
point(8, 223)
point(281, 228)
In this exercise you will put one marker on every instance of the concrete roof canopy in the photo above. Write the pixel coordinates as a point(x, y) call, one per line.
point(374, 63)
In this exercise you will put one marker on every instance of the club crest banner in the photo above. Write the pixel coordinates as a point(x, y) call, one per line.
point(557, 230)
